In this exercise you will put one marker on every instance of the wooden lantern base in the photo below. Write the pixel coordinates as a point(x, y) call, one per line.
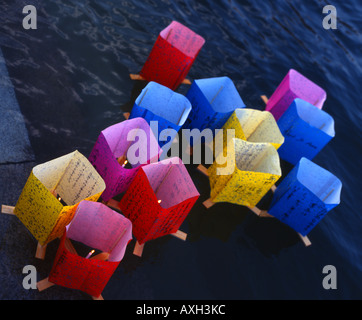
point(260, 213)
point(45, 283)
point(139, 77)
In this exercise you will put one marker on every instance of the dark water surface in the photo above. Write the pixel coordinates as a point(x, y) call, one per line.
point(71, 81)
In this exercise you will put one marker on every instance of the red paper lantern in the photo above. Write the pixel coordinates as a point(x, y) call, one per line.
point(172, 55)
point(99, 227)
point(159, 199)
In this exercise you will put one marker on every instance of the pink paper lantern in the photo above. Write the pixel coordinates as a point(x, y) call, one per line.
point(293, 86)
point(132, 140)
point(99, 227)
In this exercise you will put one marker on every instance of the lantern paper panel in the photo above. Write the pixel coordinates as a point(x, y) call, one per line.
point(305, 196)
point(168, 108)
point(253, 126)
point(249, 171)
point(172, 55)
point(168, 181)
point(213, 101)
point(72, 271)
point(307, 131)
point(99, 227)
point(294, 85)
point(131, 139)
point(71, 177)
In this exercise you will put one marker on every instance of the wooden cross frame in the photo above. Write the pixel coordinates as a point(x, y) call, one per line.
point(45, 283)
point(139, 77)
point(260, 213)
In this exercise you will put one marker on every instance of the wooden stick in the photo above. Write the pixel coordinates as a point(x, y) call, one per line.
point(7, 209)
point(203, 169)
point(40, 251)
point(101, 256)
point(273, 188)
point(255, 210)
point(265, 99)
point(138, 249)
point(68, 244)
point(136, 77)
point(180, 235)
point(208, 203)
point(189, 150)
point(126, 115)
point(44, 284)
point(139, 77)
point(305, 240)
point(113, 204)
point(121, 160)
point(265, 214)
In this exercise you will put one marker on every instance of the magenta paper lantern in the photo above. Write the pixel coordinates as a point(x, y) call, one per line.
point(132, 140)
point(293, 86)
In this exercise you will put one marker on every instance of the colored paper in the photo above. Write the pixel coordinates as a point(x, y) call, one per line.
point(99, 227)
point(102, 228)
point(168, 181)
point(172, 55)
point(293, 86)
point(131, 139)
point(307, 131)
point(305, 196)
point(253, 126)
point(213, 101)
point(159, 103)
point(73, 178)
point(251, 169)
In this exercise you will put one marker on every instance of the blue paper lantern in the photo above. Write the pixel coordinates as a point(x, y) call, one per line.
point(213, 101)
point(159, 103)
point(306, 130)
point(305, 196)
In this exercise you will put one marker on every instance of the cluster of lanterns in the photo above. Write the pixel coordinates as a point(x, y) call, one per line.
point(72, 197)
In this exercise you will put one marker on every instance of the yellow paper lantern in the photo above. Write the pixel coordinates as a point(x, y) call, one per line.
point(65, 180)
point(253, 126)
point(244, 172)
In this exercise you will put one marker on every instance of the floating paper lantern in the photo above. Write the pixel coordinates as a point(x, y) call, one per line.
point(305, 196)
point(99, 227)
point(159, 103)
point(253, 126)
point(213, 101)
point(293, 86)
point(119, 142)
point(306, 129)
point(172, 55)
point(68, 179)
point(247, 173)
point(159, 199)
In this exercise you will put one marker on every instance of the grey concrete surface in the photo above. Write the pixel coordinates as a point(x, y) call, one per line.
point(14, 140)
